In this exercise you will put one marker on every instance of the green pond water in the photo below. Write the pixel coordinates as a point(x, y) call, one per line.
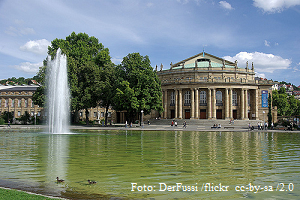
point(152, 164)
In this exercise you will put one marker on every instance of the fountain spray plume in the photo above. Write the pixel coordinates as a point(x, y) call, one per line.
point(58, 99)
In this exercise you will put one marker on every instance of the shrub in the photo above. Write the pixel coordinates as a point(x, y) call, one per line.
point(1, 121)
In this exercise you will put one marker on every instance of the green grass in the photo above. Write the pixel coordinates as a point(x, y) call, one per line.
point(11, 194)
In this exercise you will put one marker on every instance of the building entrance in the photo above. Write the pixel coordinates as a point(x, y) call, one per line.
point(187, 114)
point(219, 113)
point(202, 113)
point(172, 114)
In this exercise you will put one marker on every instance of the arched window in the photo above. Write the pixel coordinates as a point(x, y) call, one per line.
point(187, 98)
point(234, 98)
point(203, 98)
point(219, 101)
point(172, 98)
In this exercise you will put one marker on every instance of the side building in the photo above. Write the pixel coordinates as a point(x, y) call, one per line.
point(17, 99)
point(208, 87)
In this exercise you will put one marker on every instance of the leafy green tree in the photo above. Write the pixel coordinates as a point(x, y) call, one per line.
point(107, 87)
point(139, 86)
point(293, 107)
point(85, 57)
point(25, 118)
point(7, 116)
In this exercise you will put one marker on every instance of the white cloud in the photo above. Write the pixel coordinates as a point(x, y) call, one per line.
point(225, 5)
point(273, 6)
point(261, 75)
point(262, 62)
point(28, 67)
point(13, 31)
point(38, 46)
point(267, 44)
point(116, 60)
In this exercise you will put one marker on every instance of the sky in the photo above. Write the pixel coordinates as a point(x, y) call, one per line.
point(265, 32)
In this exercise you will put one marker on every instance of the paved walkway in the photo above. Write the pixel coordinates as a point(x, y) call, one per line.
point(151, 127)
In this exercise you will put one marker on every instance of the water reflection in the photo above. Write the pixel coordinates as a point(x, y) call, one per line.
point(115, 159)
point(57, 159)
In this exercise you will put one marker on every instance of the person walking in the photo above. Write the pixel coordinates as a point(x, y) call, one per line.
point(184, 124)
point(8, 124)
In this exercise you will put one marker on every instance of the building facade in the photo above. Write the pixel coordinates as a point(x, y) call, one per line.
point(207, 87)
point(18, 100)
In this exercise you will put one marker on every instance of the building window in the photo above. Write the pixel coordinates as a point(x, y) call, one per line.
point(109, 114)
point(234, 98)
point(6, 102)
point(172, 98)
point(102, 114)
point(39, 114)
point(32, 104)
point(203, 98)
point(187, 98)
point(219, 101)
point(19, 103)
point(32, 114)
point(248, 98)
point(26, 103)
point(95, 114)
point(19, 113)
point(13, 103)
point(80, 114)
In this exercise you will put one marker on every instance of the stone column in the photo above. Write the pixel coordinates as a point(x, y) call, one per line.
point(246, 105)
point(242, 108)
point(192, 103)
point(180, 104)
point(176, 103)
point(209, 103)
point(226, 104)
point(256, 104)
point(197, 103)
point(230, 104)
point(214, 104)
point(165, 103)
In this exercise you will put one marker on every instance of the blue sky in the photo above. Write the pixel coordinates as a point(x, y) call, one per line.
point(265, 32)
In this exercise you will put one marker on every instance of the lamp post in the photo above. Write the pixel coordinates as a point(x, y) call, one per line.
point(35, 118)
point(264, 120)
point(142, 123)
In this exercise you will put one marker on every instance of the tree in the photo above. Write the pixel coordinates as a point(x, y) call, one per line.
point(107, 87)
point(139, 87)
point(25, 118)
point(7, 116)
point(85, 58)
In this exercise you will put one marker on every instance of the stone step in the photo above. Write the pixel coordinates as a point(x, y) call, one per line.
point(204, 122)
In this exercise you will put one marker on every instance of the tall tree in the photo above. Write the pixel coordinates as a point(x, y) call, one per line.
point(85, 57)
point(139, 85)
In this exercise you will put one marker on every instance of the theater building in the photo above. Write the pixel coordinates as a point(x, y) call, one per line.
point(208, 87)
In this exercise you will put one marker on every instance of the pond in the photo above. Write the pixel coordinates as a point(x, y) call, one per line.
point(152, 164)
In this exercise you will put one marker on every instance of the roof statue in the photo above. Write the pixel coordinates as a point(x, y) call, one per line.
point(161, 67)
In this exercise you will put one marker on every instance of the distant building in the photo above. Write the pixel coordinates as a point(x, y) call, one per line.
point(18, 99)
point(208, 87)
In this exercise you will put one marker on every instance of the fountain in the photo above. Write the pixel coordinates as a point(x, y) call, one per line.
point(58, 94)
